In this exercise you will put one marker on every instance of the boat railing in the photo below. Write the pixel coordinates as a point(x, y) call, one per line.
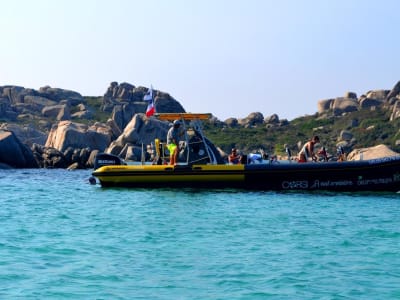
point(191, 127)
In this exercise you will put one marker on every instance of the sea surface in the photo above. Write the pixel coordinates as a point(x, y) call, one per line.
point(62, 238)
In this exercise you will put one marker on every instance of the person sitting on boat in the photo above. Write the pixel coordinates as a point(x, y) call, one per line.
point(341, 155)
point(254, 158)
point(323, 155)
point(307, 152)
point(234, 158)
point(173, 142)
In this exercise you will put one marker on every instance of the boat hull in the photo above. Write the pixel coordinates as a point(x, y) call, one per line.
point(370, 175)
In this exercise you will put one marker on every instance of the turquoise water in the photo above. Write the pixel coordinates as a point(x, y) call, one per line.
point(61, 238)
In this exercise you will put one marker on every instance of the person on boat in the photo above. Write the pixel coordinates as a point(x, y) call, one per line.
point(254, 158)
point(323, 155)
point(234, 158)
point(173, 142)
point(307, 152)
point(341, 155)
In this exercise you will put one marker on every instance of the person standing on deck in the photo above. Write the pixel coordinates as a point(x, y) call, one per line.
point(173, 142)
point(308, 150)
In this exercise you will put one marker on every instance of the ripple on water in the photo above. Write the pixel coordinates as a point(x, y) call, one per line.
point(64, 238)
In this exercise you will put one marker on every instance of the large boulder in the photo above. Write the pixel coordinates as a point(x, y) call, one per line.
point(378, 94)
point(38, 102)
point(325, 105)
point(28, 135)
point(370, 102)
point(231, 122)
point(253, 119)
point(272, 119)
point(69, 134)
point(14, 153)
point(351, 95)
point(140, 130)
point(59, 112)
point(378, 151)
point(164, 103)
point(344, 105)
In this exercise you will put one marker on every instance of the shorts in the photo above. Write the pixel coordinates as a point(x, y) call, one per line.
point(171, 148)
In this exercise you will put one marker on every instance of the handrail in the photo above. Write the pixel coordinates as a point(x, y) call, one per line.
point(184, 116)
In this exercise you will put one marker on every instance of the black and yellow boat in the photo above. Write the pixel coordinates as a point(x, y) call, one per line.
point(205, 171)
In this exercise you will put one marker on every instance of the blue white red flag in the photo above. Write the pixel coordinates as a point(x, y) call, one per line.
point(150, 107)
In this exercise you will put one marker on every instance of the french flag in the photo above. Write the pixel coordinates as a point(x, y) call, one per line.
point(150, 107)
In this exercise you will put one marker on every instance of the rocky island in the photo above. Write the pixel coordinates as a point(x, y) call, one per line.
point(58, 128)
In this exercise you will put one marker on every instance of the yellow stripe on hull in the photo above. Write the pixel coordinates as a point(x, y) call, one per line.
point(166, 173)
point(171, 179)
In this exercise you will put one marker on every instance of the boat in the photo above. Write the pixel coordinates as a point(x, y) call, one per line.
point(202, 168)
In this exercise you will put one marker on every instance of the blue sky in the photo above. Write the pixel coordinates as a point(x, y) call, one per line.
point(229, 57)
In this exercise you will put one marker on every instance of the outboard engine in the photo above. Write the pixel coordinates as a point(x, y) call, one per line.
point(104, 159)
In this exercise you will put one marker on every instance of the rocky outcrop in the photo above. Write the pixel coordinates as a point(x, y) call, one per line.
point(48, 157)
point(255, 119)
point(339, 105)
point(58, 95)
point(350, 102)
point(19, 102)
point(124, 100)
point(69, 134)
point(13, 153)
point(123, 92)
point(378, 151)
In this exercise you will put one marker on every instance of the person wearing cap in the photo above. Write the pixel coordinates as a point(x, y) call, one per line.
point(234, 158)
point(307, 152)
point(173, 142)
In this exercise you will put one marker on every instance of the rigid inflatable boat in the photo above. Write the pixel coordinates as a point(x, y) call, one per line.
point(202, 170)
